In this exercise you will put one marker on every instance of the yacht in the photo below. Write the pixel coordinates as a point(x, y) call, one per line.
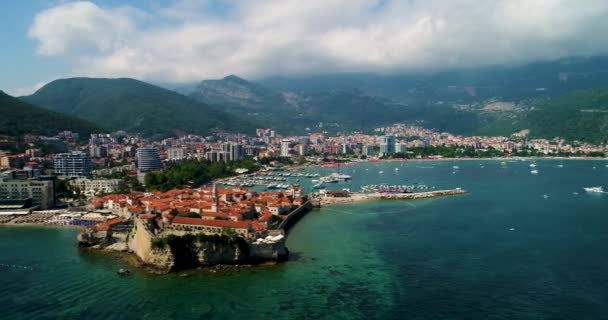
point(532, 165)
point(594, 189)
point(534, 171)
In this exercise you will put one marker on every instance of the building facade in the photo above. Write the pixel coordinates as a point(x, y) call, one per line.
point(148, 159)
point(42, 192)
point(97, 186)
point(73, 165)
point(387, 147)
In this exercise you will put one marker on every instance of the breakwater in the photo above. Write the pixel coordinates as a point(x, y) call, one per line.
point(324, 200)
point(294, 216)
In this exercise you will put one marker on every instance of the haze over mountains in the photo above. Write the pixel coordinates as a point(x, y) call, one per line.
point(490, 101)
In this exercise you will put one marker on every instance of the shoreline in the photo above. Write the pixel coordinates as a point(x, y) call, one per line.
point(40, 225)
point(351, 163)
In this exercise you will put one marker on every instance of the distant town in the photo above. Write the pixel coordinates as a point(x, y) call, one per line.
point(128, 192)
point(44, 170)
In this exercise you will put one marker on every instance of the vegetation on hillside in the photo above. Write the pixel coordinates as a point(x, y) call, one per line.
point(18, 117)
point(133, 106)
point(582, 116)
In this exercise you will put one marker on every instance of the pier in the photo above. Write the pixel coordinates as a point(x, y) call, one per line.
point(351, 197)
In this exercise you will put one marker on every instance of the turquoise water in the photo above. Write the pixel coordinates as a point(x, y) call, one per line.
point(519, 246)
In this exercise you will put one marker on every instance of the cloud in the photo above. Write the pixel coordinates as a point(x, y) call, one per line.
point(76, 27)
point(27, 90)
point(199, 39)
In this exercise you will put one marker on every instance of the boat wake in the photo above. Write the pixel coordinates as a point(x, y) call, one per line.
point(15, 266)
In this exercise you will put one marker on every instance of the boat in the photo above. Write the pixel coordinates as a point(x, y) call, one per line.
point(318, 186)
point(396, 169)
point(339, 176)
point(456, 167)
point(560, 165)
point(594, 189)
point(123, 272)
point(534, 171)
point(381, 172)
point(532, 165)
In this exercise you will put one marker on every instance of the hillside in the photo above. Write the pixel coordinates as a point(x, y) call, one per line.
point(582, 115)
point(331, 110)
point(510, 83)
point(18, 117)
point(240, 93)
point(133, 106)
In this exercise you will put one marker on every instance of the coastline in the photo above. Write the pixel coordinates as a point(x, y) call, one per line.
point(350, 162)
point(40, 225)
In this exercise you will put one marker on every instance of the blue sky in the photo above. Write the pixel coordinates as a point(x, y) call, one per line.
point(191, 40)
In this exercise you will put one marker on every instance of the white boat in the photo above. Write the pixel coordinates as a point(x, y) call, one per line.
point(534, 171)
point(381, 172)
point(396, 169)
point(455, 167)
point(560, 165)
point(532, 165)
point(594, 189)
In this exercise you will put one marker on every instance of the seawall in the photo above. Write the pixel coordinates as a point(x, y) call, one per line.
point(294, 216)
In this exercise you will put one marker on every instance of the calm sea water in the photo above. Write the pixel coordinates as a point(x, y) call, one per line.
point(519, 246)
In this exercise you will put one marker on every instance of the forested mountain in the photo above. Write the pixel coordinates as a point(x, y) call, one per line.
point(134, 106)
point(582, 115)
point(18, 117)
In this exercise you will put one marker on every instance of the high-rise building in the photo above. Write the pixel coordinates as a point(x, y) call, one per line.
point(148, 159)
point(73, 164)
point(387, 147)
point(96, 151)
point(400, 147)
point(176, 154)
point(233, 151)
point(286, 148)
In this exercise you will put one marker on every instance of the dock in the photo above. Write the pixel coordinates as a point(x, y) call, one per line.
point(351, 197)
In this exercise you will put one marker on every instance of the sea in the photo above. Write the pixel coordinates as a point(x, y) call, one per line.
point(517, 246)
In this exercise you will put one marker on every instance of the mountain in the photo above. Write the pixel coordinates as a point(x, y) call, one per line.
point(241, 94)
point(582, 115)
point(511, 83)
point(133, 106)
point(18, 117)
point(292, 112)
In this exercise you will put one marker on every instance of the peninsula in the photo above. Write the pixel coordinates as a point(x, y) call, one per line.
point(189, 228)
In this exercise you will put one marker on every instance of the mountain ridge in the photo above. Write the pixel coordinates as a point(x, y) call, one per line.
point(132, 105)
point(18, 117)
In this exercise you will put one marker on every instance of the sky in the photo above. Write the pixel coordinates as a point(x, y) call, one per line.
point(191, 40)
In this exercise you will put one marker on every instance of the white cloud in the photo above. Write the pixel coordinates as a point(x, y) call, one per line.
point(189, 41)
point(76, 27)
point(27, 90)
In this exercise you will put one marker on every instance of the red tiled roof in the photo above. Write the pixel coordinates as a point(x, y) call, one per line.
point(114, 221)
point(212, 223)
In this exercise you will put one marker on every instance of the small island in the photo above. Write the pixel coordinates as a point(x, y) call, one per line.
point(190, 228)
